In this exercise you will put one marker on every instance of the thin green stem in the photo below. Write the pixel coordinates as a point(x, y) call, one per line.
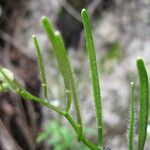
point(41, 66)
point(71, 121)
point(144, 103)
point(83, 139)
point(90, 145)
point(131, 118)
point(94, 73)
point(26, 95)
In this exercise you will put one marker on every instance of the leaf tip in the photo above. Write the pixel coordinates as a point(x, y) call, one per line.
point(139, 60)
point(83, 12)
point(140, 63)
point(33, 36)
point(57, 33)
point(132, 83)
point(43, 18)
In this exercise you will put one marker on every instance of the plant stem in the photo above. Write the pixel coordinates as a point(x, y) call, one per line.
point(83, 139)
point(26, 95)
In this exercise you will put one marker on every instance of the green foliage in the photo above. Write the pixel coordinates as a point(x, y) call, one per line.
point(56, 136)
point(8, 83)
point(60, 138)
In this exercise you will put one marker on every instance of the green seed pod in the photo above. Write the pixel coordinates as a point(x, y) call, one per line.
point(144, 103)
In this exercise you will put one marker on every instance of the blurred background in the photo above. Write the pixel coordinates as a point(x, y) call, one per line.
point(121, 31)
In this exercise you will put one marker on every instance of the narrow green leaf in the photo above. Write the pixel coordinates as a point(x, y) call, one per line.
point(144, 103)
point(63, 63)
point(130, 136)
point(94, 73)
point(41, 66)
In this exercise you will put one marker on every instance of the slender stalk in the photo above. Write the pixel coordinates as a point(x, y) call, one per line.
point(90, 145)
point(41, 66)
point(131, 118)
point(94, 73)
point(71, 121)
point(63, 64)
point(26, 95)
point(144, 103)
point(83, 139)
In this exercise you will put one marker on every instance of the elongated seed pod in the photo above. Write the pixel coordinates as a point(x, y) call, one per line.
point(144, 102)
point(41, 66)
point(93, 73)
point(130, 133)
point(64, 66)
